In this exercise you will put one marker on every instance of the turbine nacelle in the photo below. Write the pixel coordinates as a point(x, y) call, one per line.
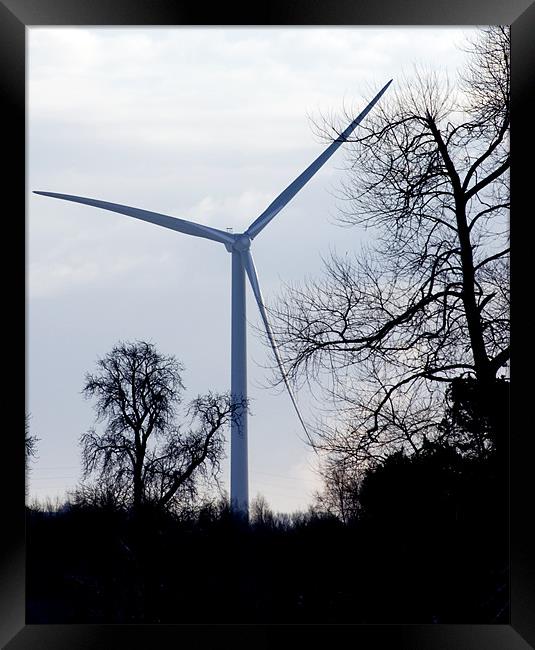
point(241, 243)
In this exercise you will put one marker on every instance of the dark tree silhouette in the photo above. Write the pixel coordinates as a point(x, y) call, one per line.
point(340, 493)
point(30, 442)
point(142, 456)
point(385, 334)
point(30, 448)
point(261, 515)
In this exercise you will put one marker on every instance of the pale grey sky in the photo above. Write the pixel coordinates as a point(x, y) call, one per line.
point(208, 124)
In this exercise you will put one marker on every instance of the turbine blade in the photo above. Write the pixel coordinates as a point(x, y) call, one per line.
point(180, 225)
point(253, 279)
point(287, 195)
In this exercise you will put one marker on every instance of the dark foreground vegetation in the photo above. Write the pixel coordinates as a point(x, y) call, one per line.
point(429, 545)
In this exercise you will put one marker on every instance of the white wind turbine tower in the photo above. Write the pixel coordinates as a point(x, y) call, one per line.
point(239, 246)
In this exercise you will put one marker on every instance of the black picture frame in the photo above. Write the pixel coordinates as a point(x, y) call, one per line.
point(15, 17)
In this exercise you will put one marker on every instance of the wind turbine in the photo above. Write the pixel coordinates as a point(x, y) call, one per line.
point(239, 245)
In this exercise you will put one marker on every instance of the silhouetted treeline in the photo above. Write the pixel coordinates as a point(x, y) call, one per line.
point(429, 544)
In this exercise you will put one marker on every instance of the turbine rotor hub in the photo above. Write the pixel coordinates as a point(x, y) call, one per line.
point(242, 243)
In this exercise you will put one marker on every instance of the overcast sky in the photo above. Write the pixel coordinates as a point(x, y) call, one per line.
point(208, 124)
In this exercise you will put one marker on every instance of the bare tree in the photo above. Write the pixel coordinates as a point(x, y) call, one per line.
point(142, 455)
point(385, 333)
point(340, 489)
point(30, 442)
point(261, 513)
point(30, 448)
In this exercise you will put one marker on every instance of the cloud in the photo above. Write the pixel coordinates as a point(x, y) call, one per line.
point(238, 211)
